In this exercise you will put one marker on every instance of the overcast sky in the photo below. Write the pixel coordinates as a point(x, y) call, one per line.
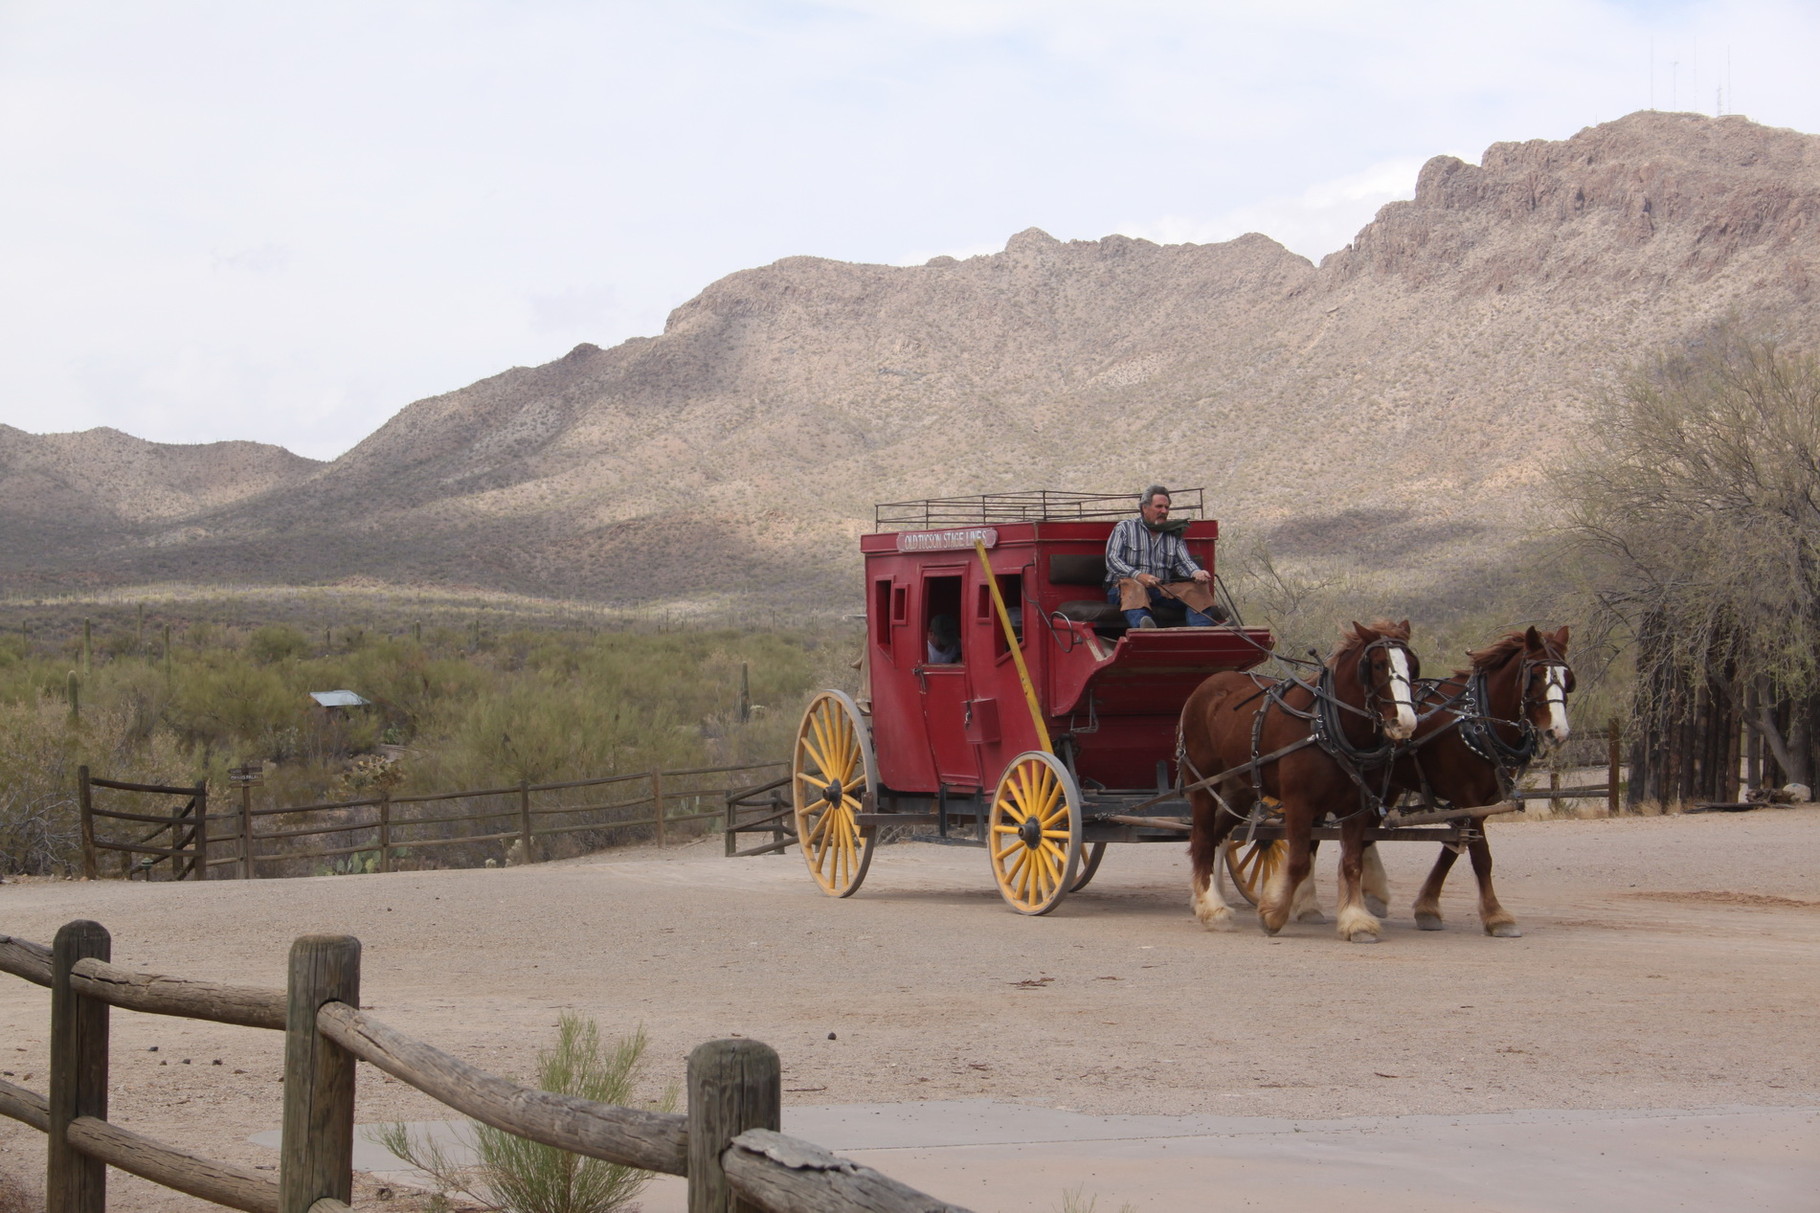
point(285, 222)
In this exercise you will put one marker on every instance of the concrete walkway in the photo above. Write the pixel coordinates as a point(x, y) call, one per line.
point(1007, 1158)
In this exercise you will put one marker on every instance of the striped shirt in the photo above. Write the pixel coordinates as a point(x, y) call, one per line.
point(1134, 548)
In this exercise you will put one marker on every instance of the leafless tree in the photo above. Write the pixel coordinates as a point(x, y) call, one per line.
point(1698, 502)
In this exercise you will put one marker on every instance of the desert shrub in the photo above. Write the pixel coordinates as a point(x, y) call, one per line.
point(276, 642)
point(521, 1176)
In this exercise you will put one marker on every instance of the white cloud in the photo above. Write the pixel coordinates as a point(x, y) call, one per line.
point(231, 220)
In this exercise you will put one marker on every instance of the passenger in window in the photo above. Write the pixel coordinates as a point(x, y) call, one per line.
point(944, 640)
point(1149, 570)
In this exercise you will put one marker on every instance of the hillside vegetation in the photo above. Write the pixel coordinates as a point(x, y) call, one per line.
point(451, 710)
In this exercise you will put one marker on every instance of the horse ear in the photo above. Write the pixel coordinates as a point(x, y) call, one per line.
point(1405, 626)
point(1560, 638)
point(1532, 639)
point(1364, 633)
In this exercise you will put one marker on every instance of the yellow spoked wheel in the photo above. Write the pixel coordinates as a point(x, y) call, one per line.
point(833, 780)
point(1095, 853)
point(1252, 866)
point(1034, 840)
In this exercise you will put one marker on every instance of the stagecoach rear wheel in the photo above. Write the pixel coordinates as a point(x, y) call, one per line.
point(1095, 853)
point(1252, 866)
point(1034, 833)
point(833, 779)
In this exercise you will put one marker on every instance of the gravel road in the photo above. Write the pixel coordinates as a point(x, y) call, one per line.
point(1667, 963)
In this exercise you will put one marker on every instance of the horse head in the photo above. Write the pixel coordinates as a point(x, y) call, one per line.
point(1547, 682)
point(1527, 680)
point(1379, 657)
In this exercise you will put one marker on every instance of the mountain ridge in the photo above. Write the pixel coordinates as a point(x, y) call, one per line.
point(1402, 400)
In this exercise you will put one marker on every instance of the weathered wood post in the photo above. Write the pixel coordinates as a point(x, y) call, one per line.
point(1614, 747)
point(745, 693)
point(385, 829)
point(201, 866)
point(246, 832)
point(85, 799)
point(316, 1154)
point(734, 1085)
point(524, 819)
point(1554, 785)
point(657, 804)
point(74, 1182)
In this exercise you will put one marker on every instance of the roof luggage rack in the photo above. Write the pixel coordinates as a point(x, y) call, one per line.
point(1040, 505)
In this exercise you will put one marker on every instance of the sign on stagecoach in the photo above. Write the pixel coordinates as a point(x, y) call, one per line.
point(947, 541)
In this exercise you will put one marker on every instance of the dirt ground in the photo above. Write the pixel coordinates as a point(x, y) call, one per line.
point(1667, 963)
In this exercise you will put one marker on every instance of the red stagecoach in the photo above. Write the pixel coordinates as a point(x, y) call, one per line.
point(1055, 723)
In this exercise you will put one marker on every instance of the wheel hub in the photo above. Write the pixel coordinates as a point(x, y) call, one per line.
point(1031, 832)
point(834, 793)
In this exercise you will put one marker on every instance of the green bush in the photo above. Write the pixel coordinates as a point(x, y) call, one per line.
point(521, 1176)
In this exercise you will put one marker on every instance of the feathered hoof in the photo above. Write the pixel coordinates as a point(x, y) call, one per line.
point(1503, 930)
point(1356, 926)
point(1376, 905)
point(1211, 914)
point(1426, 921)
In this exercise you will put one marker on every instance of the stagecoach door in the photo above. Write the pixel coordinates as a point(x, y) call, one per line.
point(944, 685)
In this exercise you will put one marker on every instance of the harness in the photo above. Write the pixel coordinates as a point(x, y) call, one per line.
point(1369, 767)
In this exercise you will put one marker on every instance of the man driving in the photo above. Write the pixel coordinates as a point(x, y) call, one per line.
point(1149, 571)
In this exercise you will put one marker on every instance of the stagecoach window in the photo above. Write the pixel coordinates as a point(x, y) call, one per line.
point(881, 613)
point(942, 600)
point(1011, 588)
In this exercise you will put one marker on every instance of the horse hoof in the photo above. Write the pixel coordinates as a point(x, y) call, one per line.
point(1428, 922)
point(1216, 922)
point(1376, 905)
point(1362, 937)
point(1311, 916)
point(1504, 930)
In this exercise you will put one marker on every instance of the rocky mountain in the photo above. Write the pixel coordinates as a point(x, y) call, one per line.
point(1396, 407)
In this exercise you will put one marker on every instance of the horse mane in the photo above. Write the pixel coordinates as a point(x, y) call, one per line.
point(1497, 652)
point(1350, 639)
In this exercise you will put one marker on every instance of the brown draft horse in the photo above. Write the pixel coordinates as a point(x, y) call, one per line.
point(1365, 698)
point(1478, 731)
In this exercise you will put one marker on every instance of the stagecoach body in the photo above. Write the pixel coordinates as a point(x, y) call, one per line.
point(1052, 699)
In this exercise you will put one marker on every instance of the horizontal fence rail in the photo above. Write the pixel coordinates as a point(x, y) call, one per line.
point(385, 832)
point(727, 1145)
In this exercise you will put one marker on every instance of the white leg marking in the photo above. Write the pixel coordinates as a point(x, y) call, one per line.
point(1357, 924)
point(1306, 907)
point(1375, 883)
point(1209, 904)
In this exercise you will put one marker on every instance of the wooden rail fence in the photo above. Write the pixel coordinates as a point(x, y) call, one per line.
point(727, 1144)
point(193, 840)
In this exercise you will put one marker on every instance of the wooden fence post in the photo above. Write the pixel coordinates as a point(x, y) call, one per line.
point(657, 803)
point(246, 831)
point(1614, 747)
point(86, 800)
point(734, 1085)
point(201, 866)
point(385, 829)
point(524, 819)
point(316, 1156)
point(74, 1182)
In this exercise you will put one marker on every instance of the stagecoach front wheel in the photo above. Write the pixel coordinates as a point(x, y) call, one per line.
point(1095, 853)
point(1253, 865)
point(1034, 837)
point(832, 781)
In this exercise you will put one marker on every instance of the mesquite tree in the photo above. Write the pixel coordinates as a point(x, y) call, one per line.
point(1698, 500)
